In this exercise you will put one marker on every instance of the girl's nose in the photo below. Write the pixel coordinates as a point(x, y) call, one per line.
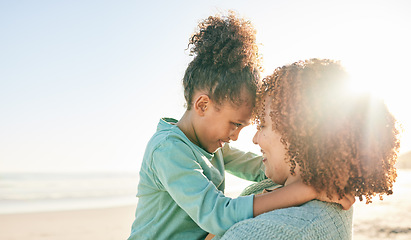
point(255, 137)
point(234, 135)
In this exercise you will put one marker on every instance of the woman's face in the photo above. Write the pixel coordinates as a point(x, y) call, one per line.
point(276, 168)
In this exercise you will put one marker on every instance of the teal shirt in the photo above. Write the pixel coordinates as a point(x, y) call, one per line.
point(181, 187)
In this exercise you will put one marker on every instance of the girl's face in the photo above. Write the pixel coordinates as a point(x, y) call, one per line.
point(276, 168)
point(221, 124)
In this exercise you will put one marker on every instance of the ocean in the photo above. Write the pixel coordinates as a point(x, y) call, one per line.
point(40, 192)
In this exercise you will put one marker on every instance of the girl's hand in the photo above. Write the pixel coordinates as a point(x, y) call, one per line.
point(209, 236)
point(346, 202)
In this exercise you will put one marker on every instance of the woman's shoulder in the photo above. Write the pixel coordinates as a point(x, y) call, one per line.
point(312, 211)
point(266, 185)
point(313, 220)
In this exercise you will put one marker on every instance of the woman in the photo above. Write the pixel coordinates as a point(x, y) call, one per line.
point(312, 128)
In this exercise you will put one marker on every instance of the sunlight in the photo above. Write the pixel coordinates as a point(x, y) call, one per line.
point(245, 140)
point(363, 81)
point(389, 85)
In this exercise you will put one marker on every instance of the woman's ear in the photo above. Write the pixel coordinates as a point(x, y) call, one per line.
point(201, 103)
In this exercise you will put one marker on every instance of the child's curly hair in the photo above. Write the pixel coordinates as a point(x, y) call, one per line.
point(343, 143)
point(226, 60)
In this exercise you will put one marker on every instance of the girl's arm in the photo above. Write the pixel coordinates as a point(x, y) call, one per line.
point(245, 165)
point(178, 171)
point(291, 195)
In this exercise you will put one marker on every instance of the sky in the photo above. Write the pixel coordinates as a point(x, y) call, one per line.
point(83, 84)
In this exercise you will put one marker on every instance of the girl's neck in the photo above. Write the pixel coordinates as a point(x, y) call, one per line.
point(185, 124)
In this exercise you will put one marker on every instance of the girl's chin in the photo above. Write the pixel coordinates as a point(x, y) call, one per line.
point(213, 149)
point(221, 143)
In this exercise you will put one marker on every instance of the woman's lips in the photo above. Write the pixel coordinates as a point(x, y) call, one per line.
point(264, 157)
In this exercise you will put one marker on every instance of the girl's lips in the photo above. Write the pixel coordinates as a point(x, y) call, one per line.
point(222, 142)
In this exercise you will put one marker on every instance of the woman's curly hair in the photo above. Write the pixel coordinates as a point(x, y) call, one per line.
point(342, 142)
point(226, 60)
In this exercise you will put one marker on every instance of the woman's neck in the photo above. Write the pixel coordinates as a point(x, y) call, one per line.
point(293, 178)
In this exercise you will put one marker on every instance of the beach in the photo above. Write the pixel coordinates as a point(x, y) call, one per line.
point(387, 219)
point(104, 224)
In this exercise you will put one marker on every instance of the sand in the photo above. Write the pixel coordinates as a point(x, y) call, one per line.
point(103, 224)
point(388, 219)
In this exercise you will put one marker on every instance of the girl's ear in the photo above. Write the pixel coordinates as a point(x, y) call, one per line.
point(201, 103)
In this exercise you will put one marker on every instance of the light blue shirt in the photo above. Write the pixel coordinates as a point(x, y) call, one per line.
point(310, 221)
point(181, 187)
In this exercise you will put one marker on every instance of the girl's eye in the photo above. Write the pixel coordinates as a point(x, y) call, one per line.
point(237, 125)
